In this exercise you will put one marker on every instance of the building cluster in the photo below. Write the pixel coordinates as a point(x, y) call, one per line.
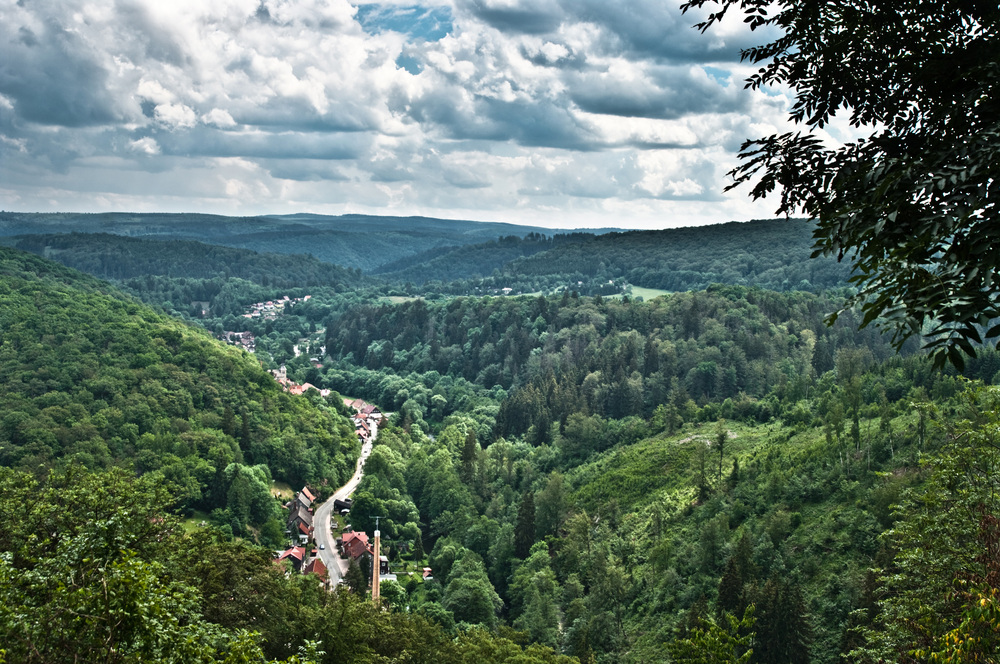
point(272, 308)
point(299, 526)
point(244, 340)
point(367, 418)
point(281, 375)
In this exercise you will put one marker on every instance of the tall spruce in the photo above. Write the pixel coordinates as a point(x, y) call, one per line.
point(524, 532)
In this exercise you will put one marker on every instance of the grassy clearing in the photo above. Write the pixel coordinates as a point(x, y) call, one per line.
point(647, 294)
point(195, 521)
point(282, 490)
point(633, 474)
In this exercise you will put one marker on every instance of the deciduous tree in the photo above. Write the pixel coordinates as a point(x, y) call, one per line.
point(914, 204)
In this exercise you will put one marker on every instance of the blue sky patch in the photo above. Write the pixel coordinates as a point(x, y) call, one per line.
point(420, 23)
point(409, 63)
point(720, 76)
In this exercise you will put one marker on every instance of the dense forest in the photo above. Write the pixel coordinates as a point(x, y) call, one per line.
point(116, 257)
point(596, 478)
point(770, 254)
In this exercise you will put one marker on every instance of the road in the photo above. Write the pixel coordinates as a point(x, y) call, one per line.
point(336, 566)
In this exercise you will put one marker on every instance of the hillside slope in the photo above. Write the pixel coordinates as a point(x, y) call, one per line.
point(773, 254)
point(92, 377)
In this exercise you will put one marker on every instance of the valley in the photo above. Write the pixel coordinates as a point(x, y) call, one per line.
point(660, 444)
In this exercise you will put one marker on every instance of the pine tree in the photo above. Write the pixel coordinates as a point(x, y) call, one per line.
point(355, 578)
point(470, 453)
point(783, 631)
point(229, 421)
point(418, 547)
point(524, 533)
point(730, 589)
point(721, 436)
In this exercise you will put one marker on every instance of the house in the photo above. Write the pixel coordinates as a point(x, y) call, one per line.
point(384, 574)
point(296, 554)
point(304, 499)
point(300, 519)
point(355, 545)
point(317, 567)
point(308, 493)
point(305, 532)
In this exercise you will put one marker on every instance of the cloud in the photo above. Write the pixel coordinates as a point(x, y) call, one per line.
point(502, 108)
point(145, 145)
point(220, 118)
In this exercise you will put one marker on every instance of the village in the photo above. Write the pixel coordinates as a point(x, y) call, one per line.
point(269, 310)
point(310, 526)
point(273, 308)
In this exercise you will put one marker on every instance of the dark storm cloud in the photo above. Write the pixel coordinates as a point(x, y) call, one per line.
point(522, 122)
point(652, 28)
point(535, 17)
point(291, 114)
point(665, 94)
point(54, 77)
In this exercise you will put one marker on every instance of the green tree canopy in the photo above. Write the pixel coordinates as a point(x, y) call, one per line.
point(914, 204)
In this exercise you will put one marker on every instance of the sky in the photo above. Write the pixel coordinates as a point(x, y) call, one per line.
point(559, 113)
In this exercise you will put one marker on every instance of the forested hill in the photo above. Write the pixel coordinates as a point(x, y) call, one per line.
point(772, 254)
point(473, 260)
point(354, 241)
point(118, 257)
point(615, 358)
point(93, 377)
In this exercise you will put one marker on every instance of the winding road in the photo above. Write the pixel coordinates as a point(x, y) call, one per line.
point(335, 565)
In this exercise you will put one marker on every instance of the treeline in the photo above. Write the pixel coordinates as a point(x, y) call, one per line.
point(354, 241)
point(94, 378)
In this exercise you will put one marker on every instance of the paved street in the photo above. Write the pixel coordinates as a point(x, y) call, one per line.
point(321, 519)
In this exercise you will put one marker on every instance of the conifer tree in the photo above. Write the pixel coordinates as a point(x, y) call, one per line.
point(524, 532)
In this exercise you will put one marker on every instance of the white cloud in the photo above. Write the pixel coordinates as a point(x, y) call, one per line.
point(220, 118)
point(175, 116)
point(146, 146)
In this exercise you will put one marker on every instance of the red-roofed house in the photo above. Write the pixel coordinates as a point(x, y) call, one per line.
point(316, 566)
point(355, 544)
point(308, 493)
point(370, 409)
point(296, 554)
